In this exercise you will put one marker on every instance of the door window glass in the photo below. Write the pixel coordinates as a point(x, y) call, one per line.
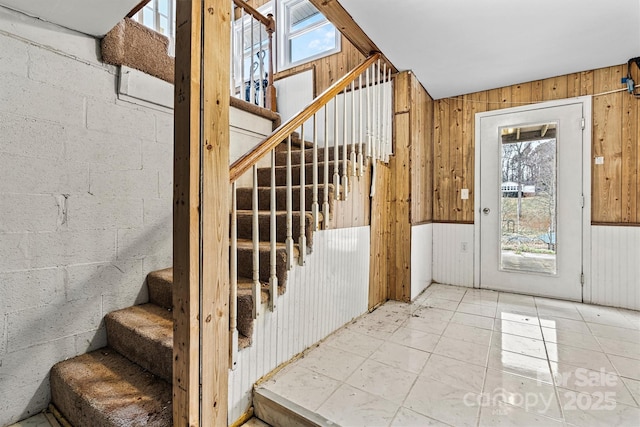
point(528, 159)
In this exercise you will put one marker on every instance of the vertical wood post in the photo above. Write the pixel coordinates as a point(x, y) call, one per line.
point(201, 213)
point(271, 89)
point(186, 220)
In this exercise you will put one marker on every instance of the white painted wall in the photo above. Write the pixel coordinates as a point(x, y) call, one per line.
point(294, 93)
point(451, 264)
point(614, 278)
point(612, 267)
point(421, 258)
point(329, 291)
point(85, 202)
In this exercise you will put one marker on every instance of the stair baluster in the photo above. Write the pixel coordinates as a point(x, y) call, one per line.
point(289, 241)
point(369, 114)
point(361, 128)
point(232, 36)
point(302, 241)
point(252, 68)
point(345, 157)
point(354, 159)
point(314, 204)
point(242, 89)
point(388, 135)
point(273, 279)
point(256, 288)
point(260, 95)
point(325, 194)
point(386, 95)
point(383, 109)
point(378, 115)
point(336, 151)
point(233, 272)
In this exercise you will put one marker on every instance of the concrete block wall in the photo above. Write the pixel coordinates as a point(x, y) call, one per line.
point(85, 203)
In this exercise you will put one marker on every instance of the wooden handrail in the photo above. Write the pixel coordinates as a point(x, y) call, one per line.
point(138, 7)
point(245, 162)
point(268, 22)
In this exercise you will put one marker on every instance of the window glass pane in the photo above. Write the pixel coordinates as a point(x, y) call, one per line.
point(259, 33)
point(313, 43)
point(164, 25)
point(306, 22)
point(528, 208)
point(147, 17)
point(163, 7)
point(303, 14)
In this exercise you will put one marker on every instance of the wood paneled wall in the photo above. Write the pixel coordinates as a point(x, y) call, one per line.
point(404, 189)
point(381, 254)
point(330, 68)
point(421, 154)
point(616, 136)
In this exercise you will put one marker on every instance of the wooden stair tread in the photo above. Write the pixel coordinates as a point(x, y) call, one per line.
point(246, 244)
point(159, 284)
point(245, 287)
point(150, 320)
point(104, 389)
point(144, 335)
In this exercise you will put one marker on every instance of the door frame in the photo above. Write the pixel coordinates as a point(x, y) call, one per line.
point(586, 102)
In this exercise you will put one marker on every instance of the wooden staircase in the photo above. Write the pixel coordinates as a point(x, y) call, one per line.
point(127, 383)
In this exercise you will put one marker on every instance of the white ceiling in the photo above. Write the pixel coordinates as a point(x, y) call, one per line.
point(453, 46)
point(458, 47)
point(94, 17)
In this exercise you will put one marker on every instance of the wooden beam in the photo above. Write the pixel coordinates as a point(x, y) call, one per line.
point(186, 221)
point(343, 21)
point(200, 295)
point(215, 213)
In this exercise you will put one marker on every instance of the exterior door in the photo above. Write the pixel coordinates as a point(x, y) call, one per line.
point(530, 210)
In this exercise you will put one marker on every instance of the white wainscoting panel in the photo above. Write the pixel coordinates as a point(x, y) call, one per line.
point(329, 291)
point(421, 258)
point(615, 266)
point(453, 254)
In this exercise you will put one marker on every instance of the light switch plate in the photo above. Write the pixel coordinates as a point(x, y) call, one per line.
point(599, 160)
point(464, 193)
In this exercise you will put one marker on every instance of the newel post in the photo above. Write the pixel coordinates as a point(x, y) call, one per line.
point(271, 89)
point(201, 213)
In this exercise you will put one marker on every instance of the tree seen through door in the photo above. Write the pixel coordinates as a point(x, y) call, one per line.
point(528, 198)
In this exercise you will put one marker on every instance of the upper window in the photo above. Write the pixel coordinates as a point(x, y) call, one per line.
point(304, 34)
point(160, 15)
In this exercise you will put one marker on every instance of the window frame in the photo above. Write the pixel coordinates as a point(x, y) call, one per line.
point(284, 36)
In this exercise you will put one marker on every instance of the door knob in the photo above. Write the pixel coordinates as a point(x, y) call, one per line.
point(486, 211)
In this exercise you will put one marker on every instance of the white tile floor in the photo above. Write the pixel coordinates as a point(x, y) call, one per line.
point(466, 357)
